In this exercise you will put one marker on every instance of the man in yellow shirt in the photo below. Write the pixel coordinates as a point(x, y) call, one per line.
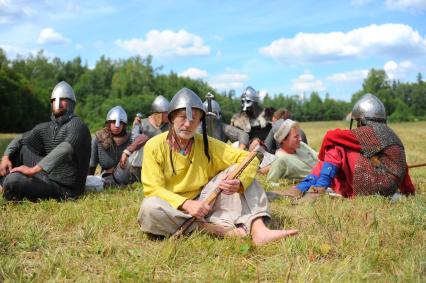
point(179, 163)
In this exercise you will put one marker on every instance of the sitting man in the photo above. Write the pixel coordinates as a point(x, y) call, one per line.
point(108, 146)
point(295, 159)
point(155, 124)
point(177, 165)
point(364, 161)
point(52, 159)
point(220, 130)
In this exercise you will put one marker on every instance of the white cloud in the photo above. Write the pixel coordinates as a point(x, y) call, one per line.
point(50, 36)
point(397, 71)
point(229, 80)
point(349, 77)
point(13, 51)
point(194, 73)
point(12, 12)
point(406, 5)
point(263, 93)
point(166, 43)
point(395, 40)
point(306, 83)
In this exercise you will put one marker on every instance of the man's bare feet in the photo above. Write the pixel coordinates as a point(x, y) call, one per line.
point(222, 231)
point(263, 237)
point(236, 233)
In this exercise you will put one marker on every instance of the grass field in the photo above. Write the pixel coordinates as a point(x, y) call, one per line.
point(96, 238)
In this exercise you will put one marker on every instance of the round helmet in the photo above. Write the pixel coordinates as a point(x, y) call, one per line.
point(62, 90)
point(118, 115)
point(160, 104)
point(187, 99)
point(215, 108)
point(369, 108)
point(249, 98)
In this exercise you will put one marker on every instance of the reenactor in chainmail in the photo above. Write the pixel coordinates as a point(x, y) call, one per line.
point(155, 124)
point(220, 130)
point(52, 159)
point(253, 118)
point(367, 160)
point(108, 146)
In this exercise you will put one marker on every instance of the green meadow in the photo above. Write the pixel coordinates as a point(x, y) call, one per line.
point(96, 238)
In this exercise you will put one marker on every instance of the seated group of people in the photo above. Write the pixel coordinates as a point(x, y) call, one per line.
point(174, 154)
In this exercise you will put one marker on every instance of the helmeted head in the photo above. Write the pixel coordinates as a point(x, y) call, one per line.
point(186, 99)
point(186, 112)
point(216, 110)
point(62, 92)
point(160, 104)
point(118, 115)
point(249, 98)
point(368, 108)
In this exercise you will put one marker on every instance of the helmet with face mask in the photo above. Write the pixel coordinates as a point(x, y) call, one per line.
point(160, 104)
point(249, 98)
point(117, 114)
point(63, 90)
point(368, 108)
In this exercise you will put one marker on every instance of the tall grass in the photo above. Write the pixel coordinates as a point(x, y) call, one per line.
point(96, 238)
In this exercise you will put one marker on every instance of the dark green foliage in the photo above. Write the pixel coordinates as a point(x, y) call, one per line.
point(26, 84)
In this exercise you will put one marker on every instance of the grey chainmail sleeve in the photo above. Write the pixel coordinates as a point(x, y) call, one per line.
point(13, 146)
point(235, 134)
point(56, 156)
point(94, 156)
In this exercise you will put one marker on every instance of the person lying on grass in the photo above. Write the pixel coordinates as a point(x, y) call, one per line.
point(367, 160)
point(179, 163)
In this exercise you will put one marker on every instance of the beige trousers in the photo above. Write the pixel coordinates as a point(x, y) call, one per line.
point(158, 217)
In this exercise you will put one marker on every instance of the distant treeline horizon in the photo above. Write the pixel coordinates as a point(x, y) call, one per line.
point(27, 82)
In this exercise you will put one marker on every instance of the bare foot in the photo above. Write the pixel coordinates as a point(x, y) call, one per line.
point(236, 232)
point(266, 235)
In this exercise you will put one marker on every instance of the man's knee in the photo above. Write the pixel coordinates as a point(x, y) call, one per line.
point(151, 208)
point(12, 185)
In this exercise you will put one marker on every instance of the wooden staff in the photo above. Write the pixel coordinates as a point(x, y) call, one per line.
point(416, 165)
point(212, 197)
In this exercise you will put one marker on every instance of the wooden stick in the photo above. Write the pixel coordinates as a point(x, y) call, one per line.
point(212, 197)
point(416, 165)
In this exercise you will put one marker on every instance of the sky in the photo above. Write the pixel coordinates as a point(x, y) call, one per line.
point(288, 47)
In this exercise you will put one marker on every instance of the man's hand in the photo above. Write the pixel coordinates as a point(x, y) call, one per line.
point(230, 187)
point(254, 143)
point(5, 165)
point(27, 171)
point(196, 208)
point(123, 160)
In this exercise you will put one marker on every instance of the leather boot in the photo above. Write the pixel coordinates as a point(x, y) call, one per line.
point(291, 192)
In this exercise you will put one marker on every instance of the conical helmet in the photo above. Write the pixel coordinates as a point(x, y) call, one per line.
point(62, 90)
point(117, 114)
point(160, 104)
point(369, 107)
point(215, 108)
point(186, 99)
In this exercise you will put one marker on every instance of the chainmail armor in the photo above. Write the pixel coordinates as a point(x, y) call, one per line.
point(71, 173)
point(383, 177)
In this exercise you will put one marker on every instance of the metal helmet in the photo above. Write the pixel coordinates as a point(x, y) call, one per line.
point(249, 98)
point(215, 108)
point(369, 108)
point(117, 114)
point(187, 99)
point(62, 90)
point(160, 104)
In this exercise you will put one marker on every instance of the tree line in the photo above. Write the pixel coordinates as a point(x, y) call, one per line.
point(26, 84)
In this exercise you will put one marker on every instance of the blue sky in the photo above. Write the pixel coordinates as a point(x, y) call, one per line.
point(290, 47)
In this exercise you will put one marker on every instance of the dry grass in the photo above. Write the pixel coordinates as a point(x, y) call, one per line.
point(96, 238)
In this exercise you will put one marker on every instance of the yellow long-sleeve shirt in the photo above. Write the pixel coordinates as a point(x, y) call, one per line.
point(192, 172)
